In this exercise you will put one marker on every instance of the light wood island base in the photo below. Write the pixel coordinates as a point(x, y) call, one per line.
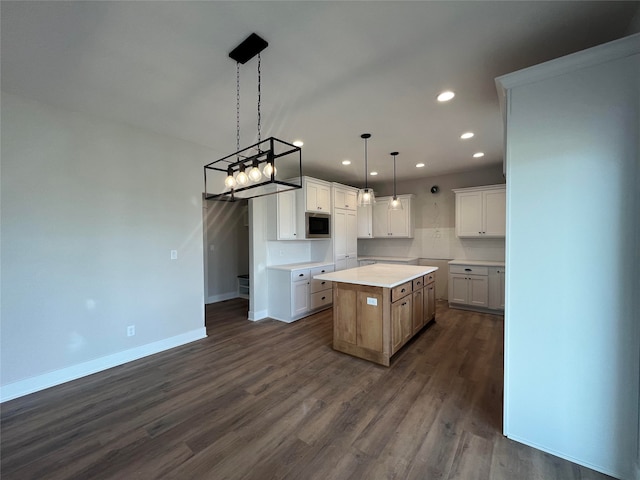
point(373, 322)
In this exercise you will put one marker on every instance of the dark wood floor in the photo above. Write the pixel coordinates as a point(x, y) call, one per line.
point(271, 400)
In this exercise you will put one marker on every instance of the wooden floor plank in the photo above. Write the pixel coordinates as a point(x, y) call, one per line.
point(269, 400)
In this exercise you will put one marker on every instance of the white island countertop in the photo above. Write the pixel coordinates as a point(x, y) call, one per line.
point(378, 274)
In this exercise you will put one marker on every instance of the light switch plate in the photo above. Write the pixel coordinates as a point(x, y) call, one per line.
point(174, 254)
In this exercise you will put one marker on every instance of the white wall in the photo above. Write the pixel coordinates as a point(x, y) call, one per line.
point(571, 339)
point(90, 212)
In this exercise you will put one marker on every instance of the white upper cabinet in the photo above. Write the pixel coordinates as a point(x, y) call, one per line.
point(393, 223)
point(344, 197)
point(365, 221)
point(481, 211)
point(318, 195)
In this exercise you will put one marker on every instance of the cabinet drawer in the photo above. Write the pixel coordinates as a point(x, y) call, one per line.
point(297, 275)
point(418, 283)
point(319, 285)
point(469, 269)
point(320, 270)
point(401, 291)
point(320, 299)
point(429, 278)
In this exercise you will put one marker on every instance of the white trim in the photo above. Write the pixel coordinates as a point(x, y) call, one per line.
point(259, 315)
point(222, 297)
point(57, 377)
point(598, 468)
point(606, 52)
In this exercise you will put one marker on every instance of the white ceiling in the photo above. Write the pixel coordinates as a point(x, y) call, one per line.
point(332, 71)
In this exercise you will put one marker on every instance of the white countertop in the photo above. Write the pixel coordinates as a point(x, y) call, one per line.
point(389, 259)
point(378, 274)
point(299, 266)
point(478, 263)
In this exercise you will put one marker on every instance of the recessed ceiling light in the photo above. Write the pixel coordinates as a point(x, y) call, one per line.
point(373, 173)
point(466, 135)
point(419, 165)
point(446, 96)
point(346, 162)
point(478, 155)
point(298, 143)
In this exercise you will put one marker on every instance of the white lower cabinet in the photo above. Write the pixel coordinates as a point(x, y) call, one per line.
point(476, 287)
point(294, 294)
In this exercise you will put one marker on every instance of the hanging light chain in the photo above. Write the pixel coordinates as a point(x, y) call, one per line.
point(237, 107)
point(259, 95)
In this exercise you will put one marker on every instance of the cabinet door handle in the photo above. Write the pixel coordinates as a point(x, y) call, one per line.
point(324, 298)
point(402, 291)
point(403, 304)
point(301, 275)
point(323, 283)
point(467, 269)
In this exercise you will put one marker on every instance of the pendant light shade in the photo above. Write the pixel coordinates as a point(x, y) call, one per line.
point(394, 202)
point(366, 195)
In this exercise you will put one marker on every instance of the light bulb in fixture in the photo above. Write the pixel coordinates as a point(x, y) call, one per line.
point(242, 178)
point(229, 182)
point(298, 143)
point(255, 174)
point(269, 170)
point(395, 204)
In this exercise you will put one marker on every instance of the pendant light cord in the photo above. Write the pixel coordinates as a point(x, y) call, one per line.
point(366, 168)
point(259, 95)
point(394, 177)
point(238, 107)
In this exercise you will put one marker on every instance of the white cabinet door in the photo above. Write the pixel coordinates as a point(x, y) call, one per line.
point(399, 220)
point(478, 291)
point(458, 289)
point(380, 219)
point(494, 208)
point(393, 223)
point(318, 197)
point(481, 212)
point(286, 215)
point(496, 288)
point(345, 239)
point(365, 223)
point(346, 198)
point(351, 239)
point(469, 214)
point(299, 297)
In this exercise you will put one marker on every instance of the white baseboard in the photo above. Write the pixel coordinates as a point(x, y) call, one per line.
point(221, 297)
point(57, 377)
point(254, 316)
point(612, 472)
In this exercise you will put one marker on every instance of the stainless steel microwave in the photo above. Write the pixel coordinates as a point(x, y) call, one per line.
point(317, 225)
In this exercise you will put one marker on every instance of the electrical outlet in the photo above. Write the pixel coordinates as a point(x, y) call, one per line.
point(174, 254)
point(131, 330)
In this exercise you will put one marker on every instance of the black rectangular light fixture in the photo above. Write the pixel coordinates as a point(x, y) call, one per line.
point(249, 48)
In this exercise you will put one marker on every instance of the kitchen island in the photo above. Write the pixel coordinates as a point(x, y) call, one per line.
point(378, 308)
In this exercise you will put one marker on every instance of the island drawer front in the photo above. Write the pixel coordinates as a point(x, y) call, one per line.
point(418, 283)
point(297, 275)
point(320, 299)
point(319, 285)
point(469, 269)
point(401, 291)
point(320, 270)
point(429, 278)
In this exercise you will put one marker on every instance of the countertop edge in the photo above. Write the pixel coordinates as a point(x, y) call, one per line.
point(373, 283)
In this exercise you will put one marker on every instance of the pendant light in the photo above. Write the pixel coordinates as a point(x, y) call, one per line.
point(366, 195)
point(251, 172)
point(394, 202)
